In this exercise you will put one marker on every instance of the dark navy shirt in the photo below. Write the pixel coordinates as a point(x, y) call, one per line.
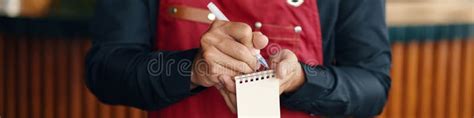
point(122, 67)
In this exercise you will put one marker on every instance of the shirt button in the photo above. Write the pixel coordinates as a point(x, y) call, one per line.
point(258, 25)
point(211, 16)
point(298, 29)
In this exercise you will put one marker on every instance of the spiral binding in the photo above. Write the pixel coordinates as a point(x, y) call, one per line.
point(258, 76)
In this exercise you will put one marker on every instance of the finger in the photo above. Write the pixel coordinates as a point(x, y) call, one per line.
point(226, 62)
point(229, 46)
point(241, 32)
point(228, 83)
point(211, 80)
point(219, 86)
point(259, 40)
point(282, 55)
point(277, 57)
point(218, 69)
point(206, 81)
point(239, 52)
point(233, 100)
point(218, 23)
point(282, 63)
point(227, 100)
point(283, 70)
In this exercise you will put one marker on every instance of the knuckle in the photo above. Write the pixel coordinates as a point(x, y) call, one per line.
point(210, 38)
point(217, 23)
point(218, 41)
point(244, 27)
point(207, 55)
point(205, 39)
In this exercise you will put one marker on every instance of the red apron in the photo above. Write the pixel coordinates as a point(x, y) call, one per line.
point(294, 27)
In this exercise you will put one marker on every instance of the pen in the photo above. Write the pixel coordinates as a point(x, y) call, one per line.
point(219, 15)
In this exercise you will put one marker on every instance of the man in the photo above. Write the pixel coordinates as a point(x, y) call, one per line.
point(171, 57)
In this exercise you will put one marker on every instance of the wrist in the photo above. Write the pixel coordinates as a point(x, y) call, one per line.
point(194, 74)
point(297, 81)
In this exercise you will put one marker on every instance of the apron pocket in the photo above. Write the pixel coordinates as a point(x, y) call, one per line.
point(280, 37)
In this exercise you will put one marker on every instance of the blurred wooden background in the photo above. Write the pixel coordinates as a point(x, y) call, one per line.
point(41, 75)
point(432, 72)
point(43, 78)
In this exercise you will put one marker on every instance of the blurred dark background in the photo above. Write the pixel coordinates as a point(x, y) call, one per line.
point(43, 44)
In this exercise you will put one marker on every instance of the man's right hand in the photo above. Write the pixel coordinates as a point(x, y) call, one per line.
point(227, 48)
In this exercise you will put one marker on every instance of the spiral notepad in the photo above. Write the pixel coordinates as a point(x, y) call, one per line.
point(258, 95)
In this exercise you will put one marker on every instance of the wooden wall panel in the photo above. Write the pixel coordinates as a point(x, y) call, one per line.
point(467, 91)
point(92, 104)
point(440, 79)
point(411, 80)
point(119, 112)
point(22, 74)
point(76, 75)
point(454, 72)
point(49, 83)
point(104, 111)
point(36, 81)
point(44, 78)
point(395, 107)
point(2, 74)
point(441, 73)
point(425, 77)
point(10, 87)
point(61, 66)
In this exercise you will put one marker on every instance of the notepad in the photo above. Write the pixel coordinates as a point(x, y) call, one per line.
point(258, 95)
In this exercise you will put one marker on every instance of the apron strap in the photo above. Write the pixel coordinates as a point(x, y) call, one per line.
point(190, 13)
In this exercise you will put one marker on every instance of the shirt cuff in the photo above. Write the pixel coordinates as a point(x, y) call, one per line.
point(176, 76)
point(318, 82)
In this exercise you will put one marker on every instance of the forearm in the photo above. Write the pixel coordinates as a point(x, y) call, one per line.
point(340, 91)
point(139, 78)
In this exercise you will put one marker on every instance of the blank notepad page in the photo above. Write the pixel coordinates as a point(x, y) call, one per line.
point(258, 95)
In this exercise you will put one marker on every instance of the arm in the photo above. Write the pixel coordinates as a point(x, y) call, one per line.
point(121, 66)
point(358, 83)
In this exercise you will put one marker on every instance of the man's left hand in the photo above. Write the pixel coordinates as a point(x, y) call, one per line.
point(288, 70)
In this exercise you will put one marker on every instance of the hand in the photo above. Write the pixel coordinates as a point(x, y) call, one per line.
point(288, 70)
point(227, 48)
